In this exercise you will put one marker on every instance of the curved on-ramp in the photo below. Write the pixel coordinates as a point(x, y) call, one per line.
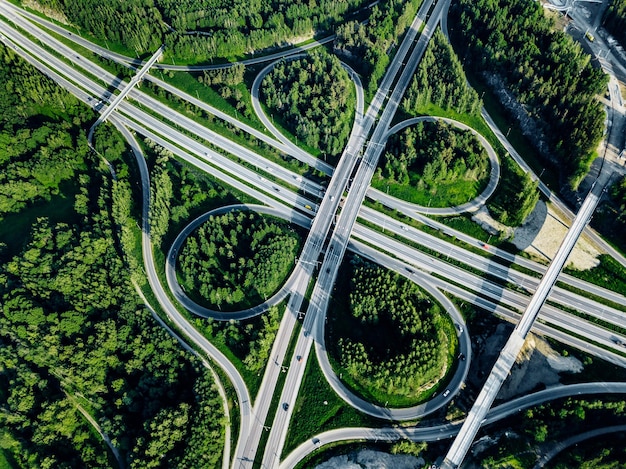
point(472, 205)
point(195, 308)
point(420, 410)
point(445, 431)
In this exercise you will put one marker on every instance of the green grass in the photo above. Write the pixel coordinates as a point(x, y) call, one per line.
point(608, 274)
point(445, 195)
point(319, 409)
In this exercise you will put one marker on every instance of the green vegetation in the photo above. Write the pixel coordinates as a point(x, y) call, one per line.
point(516, 196)
point(550, 423)
point(74, 336)
point(609, 274)
point(37, 151)
point(367, 46)
point(199, 30)
point(593, 454)
point(250, 341)
point(434, 163)
point(440, 80)
point(315, 100)
point(318, 409)
point(615, 20)
point(440, 88)
point(547, 72)
point(237, 252)
point(611, 217)
point(391, 342)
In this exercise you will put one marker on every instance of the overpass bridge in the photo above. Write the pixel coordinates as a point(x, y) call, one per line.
point(509, 353)
point(134, 80)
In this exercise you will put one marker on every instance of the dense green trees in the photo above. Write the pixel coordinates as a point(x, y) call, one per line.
point(74, 337)
point(37, 153)
point(314, 98)
point(235, 253)
point(391, 337)
point(436, 158)
point(200, 30)
point(367, 46)
point(548, 73)
point(440, 80)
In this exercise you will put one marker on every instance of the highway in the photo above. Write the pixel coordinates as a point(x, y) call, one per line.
point(341, 233)
point(206, 158)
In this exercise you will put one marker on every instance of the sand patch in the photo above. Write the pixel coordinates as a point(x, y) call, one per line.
point(542, 234)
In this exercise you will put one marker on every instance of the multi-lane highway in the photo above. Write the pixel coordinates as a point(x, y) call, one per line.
point(193, 146)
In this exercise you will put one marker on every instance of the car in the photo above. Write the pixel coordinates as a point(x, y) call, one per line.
point(462, 357)
point(299, 358)
point(409, 270)
point(458, 326)
point(285, 406)
point(332, 197)
point(446, 393)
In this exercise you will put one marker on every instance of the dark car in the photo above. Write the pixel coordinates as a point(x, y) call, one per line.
point(285, 406)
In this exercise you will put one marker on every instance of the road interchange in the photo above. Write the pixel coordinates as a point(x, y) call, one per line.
point(271, 200)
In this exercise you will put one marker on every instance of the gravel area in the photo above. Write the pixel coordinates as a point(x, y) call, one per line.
point(542, 233)
point(369, 459)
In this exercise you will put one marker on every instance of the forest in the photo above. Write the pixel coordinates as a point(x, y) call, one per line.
point(368, 45)
point(390, 336)
point(200, 30)
point(75, 339)
point(237, 259)
point(615, 20)
point(512, 46)
point(314, 98)
point(448, 164)
point(440, 80)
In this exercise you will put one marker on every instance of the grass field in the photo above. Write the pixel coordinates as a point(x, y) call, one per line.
point(318, 409)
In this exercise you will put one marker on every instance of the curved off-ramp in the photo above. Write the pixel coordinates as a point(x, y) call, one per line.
point(269, 124)
point(407, 413)
point(445, 431)
point(472, 205)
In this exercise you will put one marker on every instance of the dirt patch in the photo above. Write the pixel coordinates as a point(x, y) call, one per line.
point(537, 366)
point(490, 225)
point(48, 11)
point(542, 234)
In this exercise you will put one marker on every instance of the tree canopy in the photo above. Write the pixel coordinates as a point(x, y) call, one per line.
point(514, 46)
point(75, 339)
point(315, 99)
point(440, 80)
point(200, 30)
point(235, 253)
point(391, 337)
point(448, 164)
